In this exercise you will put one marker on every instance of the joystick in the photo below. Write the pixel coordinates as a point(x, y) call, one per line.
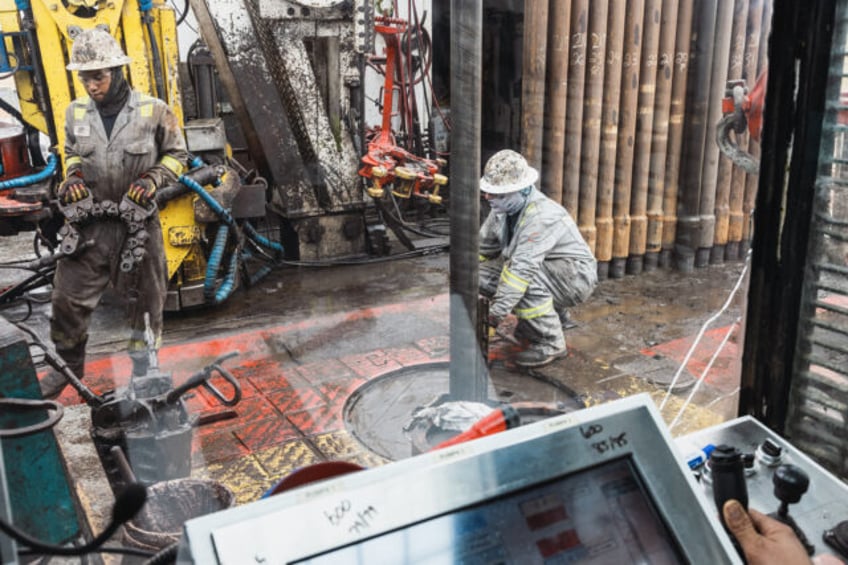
point(727, 467)
point(790, 483)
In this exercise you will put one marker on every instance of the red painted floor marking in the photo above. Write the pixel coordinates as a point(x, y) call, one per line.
point(438, 346)
point(371, 364)
point(258, 434)
point(293, 400)
point(323, 371)
point(407, 356)
point(724, 372)
point(318, 420)
point(337, 392)
point(210, 447)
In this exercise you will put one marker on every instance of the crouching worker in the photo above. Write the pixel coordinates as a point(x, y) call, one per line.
point(533, 260)
point(118, 142)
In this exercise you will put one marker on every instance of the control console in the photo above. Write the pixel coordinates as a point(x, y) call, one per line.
point(743, 459)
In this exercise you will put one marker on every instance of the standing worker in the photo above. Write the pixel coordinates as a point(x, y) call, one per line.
point(118, 142)
point(534, 262)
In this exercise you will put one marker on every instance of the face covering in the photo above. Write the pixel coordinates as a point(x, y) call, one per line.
point(509, 203)
point(116, 97)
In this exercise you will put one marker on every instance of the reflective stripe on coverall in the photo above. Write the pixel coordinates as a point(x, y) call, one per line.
point(146, 139)
point(545, 268)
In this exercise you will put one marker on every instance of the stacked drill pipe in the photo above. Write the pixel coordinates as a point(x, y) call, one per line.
point(695, 124)
point(644, 130)
point(574, 117)
point(600, 181)
point(626, 134)
point(709, 171)
point(533, 80)
point(659, 137)
point(556, 92)
point(679, 87)
point(727, 172)
point(757, 66)
point(736, 219)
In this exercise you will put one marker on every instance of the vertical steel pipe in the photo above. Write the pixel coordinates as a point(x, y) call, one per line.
point(626, 136)
point(736, 221)
point(659, 141)
point(726, 173)
point(695, 125)
point(574, 115)
point(556, 92)
point(752, 181)
point(534, 59)
point(679, 86)
point(468, 374)
point(709, 171)
point(602, 184)
point(644, 130)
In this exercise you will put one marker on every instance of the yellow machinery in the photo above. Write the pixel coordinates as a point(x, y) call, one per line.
point(37, 39)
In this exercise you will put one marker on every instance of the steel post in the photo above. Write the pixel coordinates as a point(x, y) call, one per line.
point(467, 367)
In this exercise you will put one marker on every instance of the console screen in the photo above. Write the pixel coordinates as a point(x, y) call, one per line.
point(598, 515)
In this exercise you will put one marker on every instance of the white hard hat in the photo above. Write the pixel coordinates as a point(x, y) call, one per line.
point(96, 49)
point(507, 171)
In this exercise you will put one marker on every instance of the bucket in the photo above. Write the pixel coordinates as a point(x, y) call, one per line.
point(169, 505)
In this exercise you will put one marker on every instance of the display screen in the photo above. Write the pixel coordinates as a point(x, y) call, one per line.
point(598, 515)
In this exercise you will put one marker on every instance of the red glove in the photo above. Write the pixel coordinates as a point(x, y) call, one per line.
point(73, 188)
point(141, 191)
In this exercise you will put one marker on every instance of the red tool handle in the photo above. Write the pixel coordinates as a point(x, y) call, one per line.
point(497, 421)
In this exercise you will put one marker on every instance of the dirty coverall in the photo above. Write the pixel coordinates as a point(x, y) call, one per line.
point(145, 139)
point(537, 272)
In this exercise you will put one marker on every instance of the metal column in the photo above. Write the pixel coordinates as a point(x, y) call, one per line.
point(467, 367)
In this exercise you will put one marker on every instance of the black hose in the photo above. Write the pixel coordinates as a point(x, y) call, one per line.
point(157, 58)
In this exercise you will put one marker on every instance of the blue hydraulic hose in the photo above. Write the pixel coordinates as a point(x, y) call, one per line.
point(27, 180)
point(223, 292)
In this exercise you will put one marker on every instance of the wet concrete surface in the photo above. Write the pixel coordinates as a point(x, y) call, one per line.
point(312, 339)
point(638, 327)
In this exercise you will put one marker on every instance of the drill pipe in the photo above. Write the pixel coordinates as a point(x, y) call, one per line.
point(709, 172)
point(626, 135)
point(533, 80)
point(556, 93)
point(659, 143)
point(644, 128)
point(574, 118)
point(677, 111)
point(603, 182)
point(726, 171)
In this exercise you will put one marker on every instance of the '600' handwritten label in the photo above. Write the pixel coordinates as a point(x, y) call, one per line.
point(353, 520)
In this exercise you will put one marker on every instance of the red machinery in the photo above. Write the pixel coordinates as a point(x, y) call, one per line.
point(742, 110)
point(386, 163)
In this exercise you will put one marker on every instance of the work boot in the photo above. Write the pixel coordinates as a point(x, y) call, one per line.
point(536, 356)
point(55, 382)
point(566, 320)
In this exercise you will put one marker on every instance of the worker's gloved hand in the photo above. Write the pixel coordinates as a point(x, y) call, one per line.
point(494, 321)
point(141, 191)
point(72, 189)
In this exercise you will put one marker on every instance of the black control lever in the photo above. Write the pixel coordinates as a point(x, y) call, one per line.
point(790, 483)
point(727, 468)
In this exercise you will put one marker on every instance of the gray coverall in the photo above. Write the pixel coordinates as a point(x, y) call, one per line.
point(145, 139)
point(544, 268)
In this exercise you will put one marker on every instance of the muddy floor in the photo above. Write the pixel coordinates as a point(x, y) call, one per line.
point(633, 335)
